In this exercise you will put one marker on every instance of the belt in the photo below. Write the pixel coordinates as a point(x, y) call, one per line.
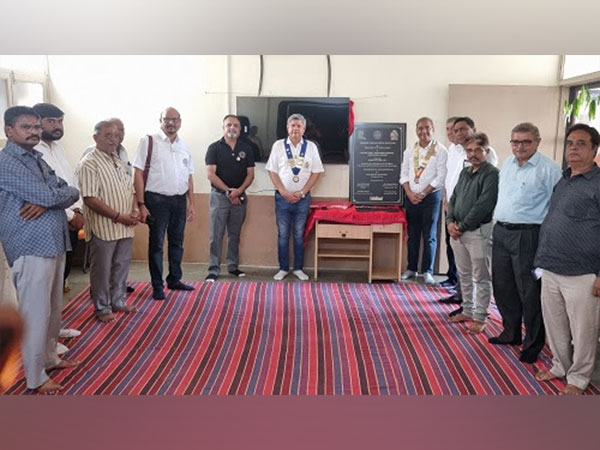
point(518, 226)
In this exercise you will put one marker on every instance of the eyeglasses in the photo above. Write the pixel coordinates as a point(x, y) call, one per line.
point(172, 120)
point(524, 142)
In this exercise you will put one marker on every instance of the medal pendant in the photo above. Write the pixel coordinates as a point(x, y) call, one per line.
point(296, 179)
point(238, 159)
point(416, 180)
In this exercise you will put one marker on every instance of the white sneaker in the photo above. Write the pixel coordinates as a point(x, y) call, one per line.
point(300, 275)
point(428, 278)
point(408, 274)
point(280, 275)
point(68, 333)
point(61, 348)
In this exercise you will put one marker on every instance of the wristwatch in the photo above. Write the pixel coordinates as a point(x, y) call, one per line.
point(140, 204)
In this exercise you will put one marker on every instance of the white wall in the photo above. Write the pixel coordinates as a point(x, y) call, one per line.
point(203, 88)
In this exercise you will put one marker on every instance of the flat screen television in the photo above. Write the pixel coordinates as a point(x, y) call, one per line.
point(264, 120)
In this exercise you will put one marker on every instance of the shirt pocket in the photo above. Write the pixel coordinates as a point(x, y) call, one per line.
point(585, 207)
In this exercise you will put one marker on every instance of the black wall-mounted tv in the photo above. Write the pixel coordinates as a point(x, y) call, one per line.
point(264, 121)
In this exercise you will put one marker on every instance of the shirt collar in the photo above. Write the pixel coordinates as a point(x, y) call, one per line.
point(595, 170)
point(164, 137)
point(534, 160)
point(18, 150)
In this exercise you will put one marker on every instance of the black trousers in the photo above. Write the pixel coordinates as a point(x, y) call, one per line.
point(167, 216)
point(69, 258)
point(452, 273)
point(516, 290)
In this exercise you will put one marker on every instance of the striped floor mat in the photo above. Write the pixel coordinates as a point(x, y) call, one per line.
point(246, 338)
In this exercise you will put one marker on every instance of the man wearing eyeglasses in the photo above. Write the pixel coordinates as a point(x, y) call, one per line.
point(525, 186)
point(35, 236)
point(463, 128)
point(165, 193)
point(569, 254)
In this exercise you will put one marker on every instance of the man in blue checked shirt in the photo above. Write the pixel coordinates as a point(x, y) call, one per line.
point(35, 236)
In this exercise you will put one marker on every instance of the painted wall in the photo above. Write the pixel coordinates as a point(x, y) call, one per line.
point(203, 88)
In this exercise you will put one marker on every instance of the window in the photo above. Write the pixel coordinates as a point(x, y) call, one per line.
point(26, 87)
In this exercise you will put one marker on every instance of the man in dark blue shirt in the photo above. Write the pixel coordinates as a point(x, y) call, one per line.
point(569, 254)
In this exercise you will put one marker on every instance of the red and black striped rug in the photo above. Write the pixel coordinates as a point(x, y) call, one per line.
point(244, 338)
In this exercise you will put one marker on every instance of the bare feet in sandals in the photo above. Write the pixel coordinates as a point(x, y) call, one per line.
point(105, 318)
point(126, 309)
point(459, 318)
point(545, 375)
point(50, 387)
point(476, 327)
point(569, 389)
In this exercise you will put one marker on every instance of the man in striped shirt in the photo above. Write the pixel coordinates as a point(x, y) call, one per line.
point(110, 215)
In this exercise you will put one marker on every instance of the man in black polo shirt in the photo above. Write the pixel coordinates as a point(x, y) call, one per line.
point(230, 168)
point(569, 254)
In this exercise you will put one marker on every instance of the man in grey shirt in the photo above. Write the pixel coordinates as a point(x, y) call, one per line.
point(569, 254)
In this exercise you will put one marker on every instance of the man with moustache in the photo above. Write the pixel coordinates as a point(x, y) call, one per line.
point(569, 254)
point(469, 223)
point(422, 176)
point(111, 212)
point(463, 128)
point(35, 236)
point(526, 182)
point(165, 195)
point(230, 170)
point(54, 154)
point(294, 167)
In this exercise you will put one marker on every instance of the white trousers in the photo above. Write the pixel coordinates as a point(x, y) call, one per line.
point(39, 284)
point(473, 256)
point(571, 317)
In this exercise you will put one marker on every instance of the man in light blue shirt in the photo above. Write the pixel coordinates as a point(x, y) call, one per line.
point(525, 186)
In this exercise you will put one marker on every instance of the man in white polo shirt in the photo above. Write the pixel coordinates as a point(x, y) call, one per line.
point(294, 166)
point(165, 194)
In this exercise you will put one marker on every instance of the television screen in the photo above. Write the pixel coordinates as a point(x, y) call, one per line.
point(264, 120)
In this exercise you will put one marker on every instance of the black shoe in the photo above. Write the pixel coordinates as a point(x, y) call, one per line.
point(179, 286)
point(158, 294)
point(455, 312)
point(452, 299)
point(527, 358)
point(448, 284)
point(211, 278)
point(237, 273)
point(500, 340)
point(129, 289)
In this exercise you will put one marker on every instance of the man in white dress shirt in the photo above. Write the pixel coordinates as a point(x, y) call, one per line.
point(165, 192)
point(294, 166)
point(54, 154)
point(422, 176)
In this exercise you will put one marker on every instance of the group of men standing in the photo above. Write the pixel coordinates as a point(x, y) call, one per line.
point(508, 228)
point(45, 204)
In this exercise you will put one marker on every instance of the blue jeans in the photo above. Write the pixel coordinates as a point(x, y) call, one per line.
point(168, 214)
point(291, 217)
point(422, 221)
